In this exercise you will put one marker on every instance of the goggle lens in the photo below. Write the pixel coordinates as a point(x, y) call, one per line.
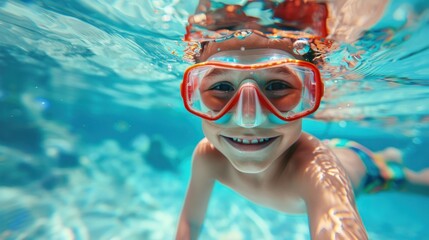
point(288, 88)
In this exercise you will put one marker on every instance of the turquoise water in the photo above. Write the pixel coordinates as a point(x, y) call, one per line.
point(95, 142)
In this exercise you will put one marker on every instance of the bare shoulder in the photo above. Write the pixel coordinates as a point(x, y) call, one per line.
point(308, 149)
point(313, 161)
point(207, 159)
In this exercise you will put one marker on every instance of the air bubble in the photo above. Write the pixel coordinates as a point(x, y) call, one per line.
point(169, 10)
point(401, 13)
point(166, 18)
point(301, 47)
point(417, 141)
point(243, 49)
point(243, 34)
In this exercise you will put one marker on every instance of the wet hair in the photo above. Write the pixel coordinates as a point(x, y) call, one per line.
point(278, 20)
point(301, 45)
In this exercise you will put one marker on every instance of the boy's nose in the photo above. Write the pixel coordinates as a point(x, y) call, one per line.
point(248, 112)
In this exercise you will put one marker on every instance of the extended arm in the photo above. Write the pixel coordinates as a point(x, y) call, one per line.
point(197, 197)
point(330, 199)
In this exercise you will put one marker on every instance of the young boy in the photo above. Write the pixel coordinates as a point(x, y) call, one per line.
point(252, 92)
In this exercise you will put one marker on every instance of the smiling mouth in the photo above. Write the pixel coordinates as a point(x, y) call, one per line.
point(249, 144)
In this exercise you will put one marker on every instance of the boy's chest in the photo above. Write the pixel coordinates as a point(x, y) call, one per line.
point(276, 194)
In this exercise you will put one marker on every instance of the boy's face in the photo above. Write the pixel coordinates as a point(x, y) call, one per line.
point(251, 149)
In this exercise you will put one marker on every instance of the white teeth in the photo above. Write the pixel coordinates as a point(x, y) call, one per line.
point(250, 141)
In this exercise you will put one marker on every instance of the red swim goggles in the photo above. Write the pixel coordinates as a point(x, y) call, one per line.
point(252, 84)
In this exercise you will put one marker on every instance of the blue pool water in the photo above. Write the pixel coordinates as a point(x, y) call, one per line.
point(95, 142)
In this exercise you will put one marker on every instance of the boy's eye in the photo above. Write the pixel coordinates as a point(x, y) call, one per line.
point(277, 85)
point(223, 86)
